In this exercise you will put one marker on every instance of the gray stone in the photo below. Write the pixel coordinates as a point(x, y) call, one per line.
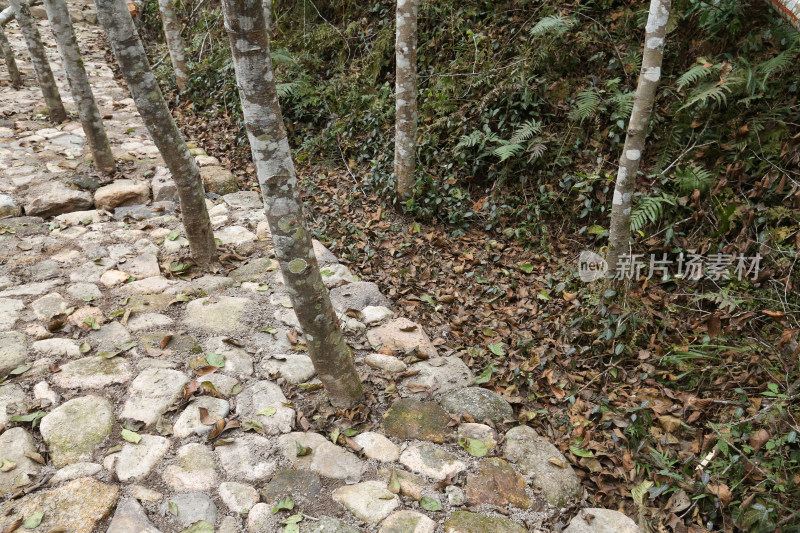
point(302, 486)
point(262, 394)
point(210, 284)
point(239, 498)
point(14, 443)
point(324, 256)
point(7, 207)
point(220, 316)
point(192, 507)
point(376, 446)
point(93, 373)
point(293, 367)
point(373, 314)
point(228, 525)
point(248, 457)
point(408, 522)
point(401, 334)
point(9, 312)
point(131, 518)
point(409, 418)
point(357, 295)
point(135, 461)
point(46, 269)
point(243, 200)
point(13, 351)
point(480, 404)
point(188, 423)
point(441, 375)
point(55, 198)
point(218, 180)
point(235, 235)
point(164, 188)
point(326, 459)
point(385, 362)
point(466, 522)
point(84, 291)
point(109, 337)
point(193, 469)
point(237, 360)
point(57, 347)
point(49, 306)
point(326, 524)
point(73, 430)
point(144, 321)
point(596, 520)
point(479, 432)
point(334, 275)
point(255, 270)
point(455, 495)
point(30, 289)
point(152, 393)
point(12, 398)
point(75, 471)
point(370, 501)
point(532, 454)
point(121, 192)
point(260, 519)
point(42, 391)
point(431, 461)
point(143, 266)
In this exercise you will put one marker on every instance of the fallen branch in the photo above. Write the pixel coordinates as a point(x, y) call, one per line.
point(7, 15)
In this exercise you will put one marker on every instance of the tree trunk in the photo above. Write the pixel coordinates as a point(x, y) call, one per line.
point(61, 24)
point(43, 73)
point(655, 33)
point(789, 10)
point(177, 49)
point(7, 15)
point(11, 63)
point(405, 136)
point(115, 18)
point(333, 360)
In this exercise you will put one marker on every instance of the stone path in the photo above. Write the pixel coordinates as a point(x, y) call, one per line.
point(137, 399)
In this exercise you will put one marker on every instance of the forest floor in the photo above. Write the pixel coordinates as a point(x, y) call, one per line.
point(138, 393)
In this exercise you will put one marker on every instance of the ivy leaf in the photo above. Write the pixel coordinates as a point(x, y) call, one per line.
point(214, 359)
point(30, 417)
point(172, 235)
point(429, 504)
point(485, 376)
point(580, 452)
point(131, 436)
point(253, 425)
point(498, 349)
point(19, 370)
point(91, 322)
point(302, 450)
point(33, 521)
point(7, 465)
point(335, 435)
point(526, 267)
point(267, 411)
point(287, 503)
point(474, 447)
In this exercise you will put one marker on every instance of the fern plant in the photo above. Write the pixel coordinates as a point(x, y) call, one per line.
point(553, 25)
point(690, 178)
point(650, 210)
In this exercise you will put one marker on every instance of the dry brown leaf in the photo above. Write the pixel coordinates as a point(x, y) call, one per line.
point(165, 341)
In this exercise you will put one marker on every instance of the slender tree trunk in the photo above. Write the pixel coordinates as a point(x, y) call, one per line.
point(177, 49)
point(789, 10)
point(61, 24)
point(115, 18)
point(333, 360)
point(405, 136)
point(11, 62)
point(40, 64)
point(655, 33)
point(7, 15)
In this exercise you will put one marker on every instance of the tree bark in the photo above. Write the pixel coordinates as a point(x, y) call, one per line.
point(47, 82)
point(11, 63)
point(789, 10)
point(7, 15)
point(405, 136)
point(620, 230)
point(333, 360)
point(175, 44)
point(61, 24)
point(115, 18)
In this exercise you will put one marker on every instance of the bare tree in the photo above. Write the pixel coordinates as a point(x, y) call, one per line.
point(61, 24)
point(405, 136)
point(11, 62)
point(650, 74)
point(47, 82)
point(175, 44)
point(333, 360)
point(115, 18)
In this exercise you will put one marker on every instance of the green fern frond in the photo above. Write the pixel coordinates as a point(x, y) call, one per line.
point(586, 105)
point(554, 24)
point(536, 149)
point(623, 103)
point(525, 131)
point(649, 211)
point(691, 178)
point(697, 73)
point(714, 94)
point(286, 90)
point(507, 151)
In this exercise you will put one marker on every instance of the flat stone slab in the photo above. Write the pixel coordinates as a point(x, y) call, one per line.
point(55, 198)
point(192, 507)
point(238, 497)
point(408, 522)
point(325, 458)
point(479, 403)
point(496, 483)
point(301, 485)
point(431, 461)
point(129, 518)
point(401, 334)
point(189, 421)
point(357, 295)
point(9, 312)
point(220, 315)
point(466, 522)
point(532, 455)
point(597, 520)
point(14, 443)
point(152, 393)
point(376, 446)
point(135, 461)
point(73, 430)
point(78, 506)
point(440, 375)
point(248, 457)
point(370, 501)
point(194, 469)
point(409, 418)
point(262, 395)
point(11, 395)
point(13, 351)
point(293, 367)
point(93, 372)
